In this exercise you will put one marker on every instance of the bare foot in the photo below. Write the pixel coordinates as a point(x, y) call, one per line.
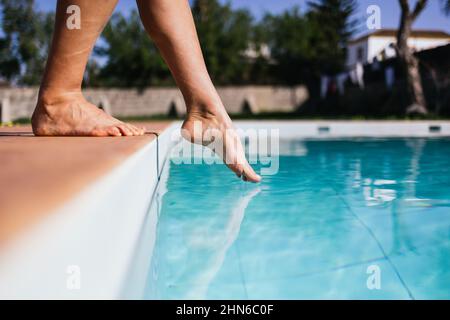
point(71, 115)
point(217, 121)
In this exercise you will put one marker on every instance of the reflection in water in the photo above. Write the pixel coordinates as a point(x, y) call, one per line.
point(199, 256)
point(218, 246)
point(401, 237)
point(398, 196)
point(416, 147)
point(382, 191)
point(374, 195)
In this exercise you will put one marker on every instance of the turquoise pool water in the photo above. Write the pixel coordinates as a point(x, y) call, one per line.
point(344, 219)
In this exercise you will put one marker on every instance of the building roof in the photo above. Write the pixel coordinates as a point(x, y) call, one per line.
point(433, 34)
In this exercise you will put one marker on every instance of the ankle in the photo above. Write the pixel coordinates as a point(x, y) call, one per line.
point(50, 96)
point(210, 107)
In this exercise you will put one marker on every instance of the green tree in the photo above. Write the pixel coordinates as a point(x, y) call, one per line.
point(132, 58)
point(225, 35)
point(334, 25)
point(306, 46)
point(261, 64)
point(288, 39)
point(25, 43)
point(9, 64)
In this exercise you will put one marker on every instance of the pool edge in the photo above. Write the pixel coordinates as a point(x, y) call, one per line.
point(82, 250)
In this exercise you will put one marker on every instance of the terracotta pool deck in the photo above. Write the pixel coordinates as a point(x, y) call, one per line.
point(38, 174)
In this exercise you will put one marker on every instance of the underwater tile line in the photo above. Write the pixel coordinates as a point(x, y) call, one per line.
point(372, 234)
point(241, 270)
point(325, 271)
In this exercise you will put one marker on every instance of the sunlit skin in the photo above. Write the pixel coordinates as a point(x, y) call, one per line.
point(62, 109)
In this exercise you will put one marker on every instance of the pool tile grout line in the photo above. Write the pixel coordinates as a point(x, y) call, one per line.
point(324, 271)
point(378, 244)
point(158, 172)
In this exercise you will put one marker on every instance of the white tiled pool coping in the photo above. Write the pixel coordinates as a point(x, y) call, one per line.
point(348, 129)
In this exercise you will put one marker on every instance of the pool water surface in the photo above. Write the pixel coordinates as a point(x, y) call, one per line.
point(342, 219)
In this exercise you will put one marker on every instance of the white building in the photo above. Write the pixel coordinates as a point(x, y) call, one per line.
point(380, 44)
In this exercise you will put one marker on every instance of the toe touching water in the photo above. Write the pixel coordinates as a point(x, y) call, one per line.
point(63, 111)
point(220, 136)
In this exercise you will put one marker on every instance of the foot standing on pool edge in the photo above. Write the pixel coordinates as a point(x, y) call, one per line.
point(62, 110)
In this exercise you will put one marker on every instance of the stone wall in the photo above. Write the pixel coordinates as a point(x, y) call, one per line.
point(17, 103)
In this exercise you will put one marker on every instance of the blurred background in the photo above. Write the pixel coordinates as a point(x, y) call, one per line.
point(269, 59)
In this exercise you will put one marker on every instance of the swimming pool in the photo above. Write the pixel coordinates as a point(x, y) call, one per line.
point(342, 219)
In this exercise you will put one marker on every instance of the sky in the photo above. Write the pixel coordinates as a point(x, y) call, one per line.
point(431, 18)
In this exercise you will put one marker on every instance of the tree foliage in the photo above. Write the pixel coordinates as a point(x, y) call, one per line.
point(225, 35)
point(333, 25)
point(307, 45)
point(303, 44)
point(25, 41)
point(132, 59)
point(288, 38)
point(232, 42)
